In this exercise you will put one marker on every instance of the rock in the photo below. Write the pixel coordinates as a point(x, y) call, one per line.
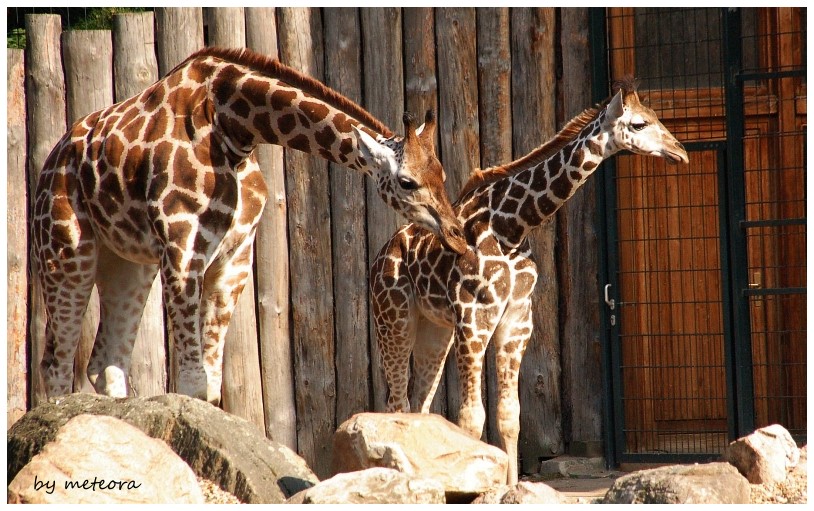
point(372, 486)
point(524, 492)
point(102, 460)
point(710, 483)
point(765, 456)
point(218, 446)
point(421, 446)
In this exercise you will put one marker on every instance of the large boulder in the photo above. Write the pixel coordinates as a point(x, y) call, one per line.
point(711, 483)
point(765, 456)
point(372, 486)
point(101, 460)
point(421, 446)
point(217, 445)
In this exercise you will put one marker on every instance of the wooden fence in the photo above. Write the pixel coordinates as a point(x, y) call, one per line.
point(300, 357)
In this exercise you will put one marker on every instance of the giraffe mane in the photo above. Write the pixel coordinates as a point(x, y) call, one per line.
point(481, 178)
point(273, 67)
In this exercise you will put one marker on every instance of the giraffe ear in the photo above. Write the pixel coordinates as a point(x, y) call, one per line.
point(371, 149)
point(616, 107)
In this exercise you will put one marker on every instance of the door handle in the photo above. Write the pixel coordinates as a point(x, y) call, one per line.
point(608, 300)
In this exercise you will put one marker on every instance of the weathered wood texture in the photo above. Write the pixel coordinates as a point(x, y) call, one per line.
point(301, 356)
point(577, 262)
point(271, 265)
point(533, 118)
point(309, 231)
point(45, 108)
point(17, 240)
point(134, 69)
point(343, 44)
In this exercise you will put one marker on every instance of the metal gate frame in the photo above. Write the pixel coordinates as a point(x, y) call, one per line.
point(733, 245)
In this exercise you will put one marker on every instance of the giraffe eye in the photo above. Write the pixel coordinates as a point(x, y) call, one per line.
point(638, 126)
point(407, 184)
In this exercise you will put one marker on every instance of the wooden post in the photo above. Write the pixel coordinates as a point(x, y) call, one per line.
point(17, 239)
point(343, 72)
point(309, 224)
point(578, 263)
point(88, 59)
point(179, 32)
point(134, 69)
point(533, 118)
point(494, 107)
point(384, 98)
point(458, 125)
point(241, 392)
point(45, 103)
point(271, 249)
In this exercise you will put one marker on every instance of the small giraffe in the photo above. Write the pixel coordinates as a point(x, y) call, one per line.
point(167, 181)
point(425, 298)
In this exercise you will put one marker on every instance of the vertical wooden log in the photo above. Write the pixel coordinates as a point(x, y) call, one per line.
point(343, 72)
point(494, 108)
point(88, 59)
point(271, 250)
point(309, 224)
point(179, 32)
point(17, 238)
point(458, 124)
point(45, 103)
point(384, 98)
point(241, 392)
point(578, 263)
point(533, 118)
point(134, 69)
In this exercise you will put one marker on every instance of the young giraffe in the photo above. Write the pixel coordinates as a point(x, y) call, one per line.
point(425, 297)
point(168, 178)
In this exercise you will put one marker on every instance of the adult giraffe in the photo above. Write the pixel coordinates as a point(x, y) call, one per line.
point(426, 298)
point(167, 181)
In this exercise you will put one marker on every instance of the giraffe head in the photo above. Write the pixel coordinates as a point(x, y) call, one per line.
point(410, 178)
point(636, 128)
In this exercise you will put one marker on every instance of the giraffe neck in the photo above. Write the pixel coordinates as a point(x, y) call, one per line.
point(258, 100)
point(534, 189)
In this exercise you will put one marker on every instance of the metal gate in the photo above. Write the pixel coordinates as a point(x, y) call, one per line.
point(705, 264)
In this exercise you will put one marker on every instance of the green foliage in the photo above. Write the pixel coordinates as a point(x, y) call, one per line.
point(73, 18)
point(101, 18)
point(15, 39)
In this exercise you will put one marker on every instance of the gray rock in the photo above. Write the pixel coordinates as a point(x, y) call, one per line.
point(101, 460)
point(421, 446)
point(765, 456)
point(524, 492)
point(216, 445)
point(711, 483)
point(373, 486)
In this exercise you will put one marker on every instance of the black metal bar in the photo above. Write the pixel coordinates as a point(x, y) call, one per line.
point(775, 291)
point(599, 85)
point(770, 75)
point(772, 223)
point(738, 353)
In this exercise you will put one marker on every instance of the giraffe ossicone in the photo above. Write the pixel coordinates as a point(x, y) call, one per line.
point(426, 299)
point(167, 181)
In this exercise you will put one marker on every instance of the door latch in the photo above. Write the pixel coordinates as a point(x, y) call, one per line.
point(611, 304)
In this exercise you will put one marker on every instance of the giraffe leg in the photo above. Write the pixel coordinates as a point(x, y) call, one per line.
point(223, 284)
point(432, 344)
point(67, 268)
point(123, 288)
point(181, 291)
point(470, 351)
point(511, 338)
